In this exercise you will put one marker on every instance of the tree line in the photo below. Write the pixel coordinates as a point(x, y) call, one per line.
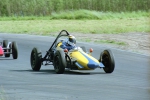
point(47, 7)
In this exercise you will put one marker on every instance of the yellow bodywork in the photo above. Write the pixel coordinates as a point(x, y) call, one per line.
point(81, 57)
point(82, 60)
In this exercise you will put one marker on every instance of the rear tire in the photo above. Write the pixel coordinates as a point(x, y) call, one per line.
point(106, 57)
point(5, 43)
point(14, 50)
point(35, 59)
point(58, 63)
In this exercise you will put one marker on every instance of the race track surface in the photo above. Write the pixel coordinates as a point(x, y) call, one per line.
point(129, 81)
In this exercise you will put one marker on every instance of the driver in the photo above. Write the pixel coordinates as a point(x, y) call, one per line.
point(69, 43)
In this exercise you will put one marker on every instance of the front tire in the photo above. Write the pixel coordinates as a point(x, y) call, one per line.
point(58, 63)
point(106, 57)
point(14, 50)
point(35, 59)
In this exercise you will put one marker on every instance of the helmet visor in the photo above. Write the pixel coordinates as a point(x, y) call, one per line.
point(71, 43)
point(73, 40)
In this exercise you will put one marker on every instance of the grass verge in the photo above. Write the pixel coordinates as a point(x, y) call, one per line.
point(46, 27)
point(81, 21)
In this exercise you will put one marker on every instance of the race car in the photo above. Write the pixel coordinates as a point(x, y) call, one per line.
point(75, 59)
point(7, 48)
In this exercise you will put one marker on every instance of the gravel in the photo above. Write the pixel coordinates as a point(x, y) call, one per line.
point(135, 42)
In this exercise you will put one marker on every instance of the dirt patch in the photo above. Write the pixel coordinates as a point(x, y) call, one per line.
point(135, 42)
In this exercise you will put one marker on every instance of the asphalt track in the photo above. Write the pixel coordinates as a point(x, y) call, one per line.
point(129, 81)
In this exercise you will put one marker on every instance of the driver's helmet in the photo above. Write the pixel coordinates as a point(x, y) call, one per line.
point(71, 40)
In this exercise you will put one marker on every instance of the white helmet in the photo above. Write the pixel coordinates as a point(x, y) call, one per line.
point(71, 40)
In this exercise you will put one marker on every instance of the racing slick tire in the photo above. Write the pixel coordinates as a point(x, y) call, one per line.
point(106, 57)
point(14, 50)
point(5, 43)
point(83, 48)
point(35, 59)
point(59, 62)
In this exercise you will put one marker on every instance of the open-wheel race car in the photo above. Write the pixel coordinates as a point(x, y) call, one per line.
point(7, 48)
point(75, 59)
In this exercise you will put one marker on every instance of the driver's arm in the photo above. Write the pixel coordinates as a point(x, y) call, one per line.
point(63, 46)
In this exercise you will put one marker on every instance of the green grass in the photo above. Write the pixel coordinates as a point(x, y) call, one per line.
point(45, 27)
point(86, 14)
point(81, 15)
point(81, 21)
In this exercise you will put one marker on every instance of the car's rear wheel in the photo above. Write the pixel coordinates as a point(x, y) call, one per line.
point(58, 63)
point(14, 50)
point(35, 59)
point(5, 43)
point(106, 57)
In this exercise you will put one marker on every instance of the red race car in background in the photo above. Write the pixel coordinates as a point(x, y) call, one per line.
point(7, 48)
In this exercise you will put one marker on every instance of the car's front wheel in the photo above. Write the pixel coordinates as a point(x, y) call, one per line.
point(58, 63)
point(106, 57)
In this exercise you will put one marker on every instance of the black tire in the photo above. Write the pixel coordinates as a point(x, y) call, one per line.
point(58, 63)
point(5, 43)
point(106, 57)
point(83, 48)
point(14, 50)
point(35, 59)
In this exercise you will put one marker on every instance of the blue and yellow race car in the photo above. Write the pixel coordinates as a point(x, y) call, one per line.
point(75, 59)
